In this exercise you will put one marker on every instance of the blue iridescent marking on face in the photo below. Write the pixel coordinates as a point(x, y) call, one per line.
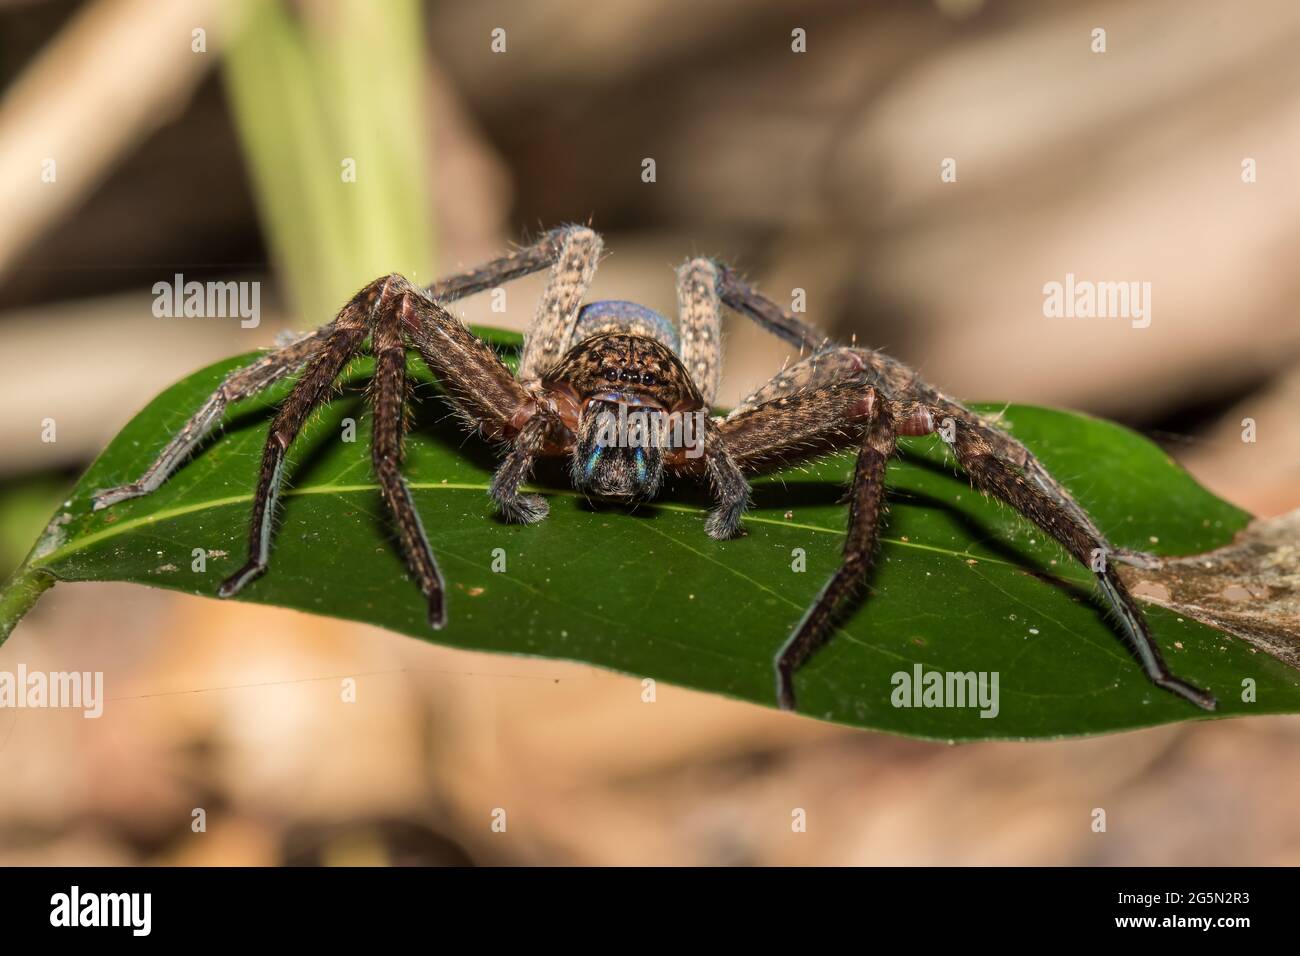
point(590, 467)
point(640, 465)
point(631, 316)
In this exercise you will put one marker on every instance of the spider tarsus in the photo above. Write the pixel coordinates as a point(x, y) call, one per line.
point(1201, 698)
point(723, 525)
point(785, 697)
point(727, 520)
point(437, 612)
point(525, 509)
point(235, 583)
point(112, 496)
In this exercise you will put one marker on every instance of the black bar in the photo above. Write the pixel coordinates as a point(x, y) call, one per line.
point(480, 906)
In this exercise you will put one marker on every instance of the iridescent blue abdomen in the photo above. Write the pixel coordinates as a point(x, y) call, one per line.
point(615, 315)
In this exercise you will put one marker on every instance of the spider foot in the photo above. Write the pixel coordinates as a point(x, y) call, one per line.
point(785, 698)
point(1201, 698)
point(723, 523)
point(437, 612)
point(524, 509)
point(235, 583)
point(111, 496)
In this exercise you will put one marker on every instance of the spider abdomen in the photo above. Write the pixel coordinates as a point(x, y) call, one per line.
point(616, 315)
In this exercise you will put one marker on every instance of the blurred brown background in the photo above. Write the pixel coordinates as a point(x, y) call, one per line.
point(817, 170)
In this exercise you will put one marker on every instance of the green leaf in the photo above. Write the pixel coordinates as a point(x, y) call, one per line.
point(962, 584)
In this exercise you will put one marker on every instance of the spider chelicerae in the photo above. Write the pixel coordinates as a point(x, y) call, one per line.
point(585, 366)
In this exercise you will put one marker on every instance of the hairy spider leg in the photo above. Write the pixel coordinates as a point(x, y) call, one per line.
point(278, 364)
point(388, 399)
point(550, 335)
point(901, 380)
point(514, 470)
point(730, 489)
point(800, 426)
point(861, 543)
point(996, 477)
point(486, 396)
point(742, 297)
point(813, 372)
point(699, 324)
point(342, 343)
point(499, 271)
point(240, 384)
point(475, 379)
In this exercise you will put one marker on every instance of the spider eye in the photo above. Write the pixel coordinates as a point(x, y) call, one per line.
point(648, 378)
point(610, 373)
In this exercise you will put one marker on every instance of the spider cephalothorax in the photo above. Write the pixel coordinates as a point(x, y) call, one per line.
point(628, 389)
point(625, 396)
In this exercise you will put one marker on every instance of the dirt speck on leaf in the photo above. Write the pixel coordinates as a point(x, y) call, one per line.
point(1250, 588)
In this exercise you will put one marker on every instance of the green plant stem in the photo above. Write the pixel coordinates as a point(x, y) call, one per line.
point(20, 594)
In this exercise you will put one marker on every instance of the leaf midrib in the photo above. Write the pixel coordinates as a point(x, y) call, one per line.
point(79, 544)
